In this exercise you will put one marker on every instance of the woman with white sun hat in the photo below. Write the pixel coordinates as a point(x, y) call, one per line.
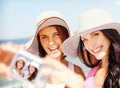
point(51, 32)
point(98, 38)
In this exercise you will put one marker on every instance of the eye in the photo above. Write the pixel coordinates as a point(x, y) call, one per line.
point(43, 37)
point(56, 35)
point(95, 34)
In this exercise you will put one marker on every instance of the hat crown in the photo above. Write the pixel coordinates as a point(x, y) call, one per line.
point(46, 15)
point(34, 64)
point(21, 58)
point(94, 18)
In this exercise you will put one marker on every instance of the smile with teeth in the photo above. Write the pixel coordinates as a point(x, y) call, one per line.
point(53, 49)
point(97, 50)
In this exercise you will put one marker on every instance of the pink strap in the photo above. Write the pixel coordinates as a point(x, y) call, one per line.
point(92, 71)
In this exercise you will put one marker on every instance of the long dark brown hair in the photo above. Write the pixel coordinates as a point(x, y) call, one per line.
point(63, 35)
point(32, 77)
point(113, 76)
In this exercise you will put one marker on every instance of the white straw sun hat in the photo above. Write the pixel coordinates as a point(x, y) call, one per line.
point(92, 20)
point(45, 19)
point(35, 64)
point(21, 58)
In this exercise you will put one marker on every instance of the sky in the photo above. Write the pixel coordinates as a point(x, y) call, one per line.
point(18, 17)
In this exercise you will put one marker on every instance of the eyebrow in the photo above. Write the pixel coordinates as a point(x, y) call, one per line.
point(46, 35)
point(92, 32)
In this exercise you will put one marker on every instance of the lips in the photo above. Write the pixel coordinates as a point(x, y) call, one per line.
point(97, 50)
point(53, 49)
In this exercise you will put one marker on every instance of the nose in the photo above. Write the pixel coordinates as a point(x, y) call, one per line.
point(51, 41)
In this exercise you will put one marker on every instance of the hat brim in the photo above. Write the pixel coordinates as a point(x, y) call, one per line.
point(70, 45)
point(33, 47)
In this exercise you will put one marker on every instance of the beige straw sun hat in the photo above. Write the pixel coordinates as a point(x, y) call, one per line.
point(92, 20)
point(46, 19)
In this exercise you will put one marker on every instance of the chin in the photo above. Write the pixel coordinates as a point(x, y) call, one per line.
point(101, 55)
point(56, 55)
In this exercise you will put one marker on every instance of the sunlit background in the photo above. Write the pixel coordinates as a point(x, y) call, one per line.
point(18, 17)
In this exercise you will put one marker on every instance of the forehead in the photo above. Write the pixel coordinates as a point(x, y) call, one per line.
point(20, 60)
point(32, 66)
point(90, 34)
point(48, 30)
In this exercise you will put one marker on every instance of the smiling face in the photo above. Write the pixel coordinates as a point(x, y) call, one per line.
point(20, 64)
point(51, 41)
point(31, 69)
point(96, 43)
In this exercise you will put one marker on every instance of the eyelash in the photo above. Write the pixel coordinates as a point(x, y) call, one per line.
point(57, 34)
point(43, 37)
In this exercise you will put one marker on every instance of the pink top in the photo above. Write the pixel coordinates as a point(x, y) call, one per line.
point(89, 83)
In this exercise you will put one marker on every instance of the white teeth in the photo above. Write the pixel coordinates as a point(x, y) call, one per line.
point(101, 55)
point(53, 48)
point(96, 50)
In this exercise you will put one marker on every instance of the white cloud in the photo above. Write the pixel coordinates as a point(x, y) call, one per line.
point(117, 2)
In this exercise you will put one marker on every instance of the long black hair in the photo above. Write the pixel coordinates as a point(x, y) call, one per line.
point(113, 76)
point(34, 74)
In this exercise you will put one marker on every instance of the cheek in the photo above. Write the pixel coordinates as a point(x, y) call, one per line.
point(59, 41)
point(43, 44)
point(105, 41)
point(20, 65)
point(107, 45)
point(33, 69)
point(87, 47)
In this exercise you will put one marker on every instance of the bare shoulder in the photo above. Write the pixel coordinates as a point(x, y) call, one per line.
point(79, 70)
